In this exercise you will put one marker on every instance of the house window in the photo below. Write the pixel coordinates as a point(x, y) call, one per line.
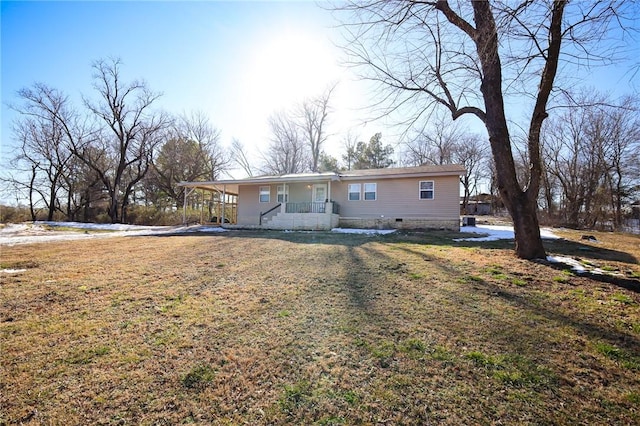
point(370, 191)
point(426, 190)
point(265, 194)
point(354, 191)
point(283, 193)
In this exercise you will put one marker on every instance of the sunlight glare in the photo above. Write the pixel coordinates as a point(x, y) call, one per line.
point(288, 68)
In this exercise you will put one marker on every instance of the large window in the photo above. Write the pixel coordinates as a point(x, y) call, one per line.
point(354, 191)
point(283, 193)
point(426, 190)
point(370, 191)
point(265, 194)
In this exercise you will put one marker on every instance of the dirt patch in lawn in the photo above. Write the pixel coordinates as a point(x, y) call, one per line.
point(317, 328)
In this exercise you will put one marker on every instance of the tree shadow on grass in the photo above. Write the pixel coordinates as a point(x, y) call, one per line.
point(627, 282)
point(595, 329)
point(361, 290)
point(428, 237)
point(300, 237)
point(576, 249)
point(561, 247)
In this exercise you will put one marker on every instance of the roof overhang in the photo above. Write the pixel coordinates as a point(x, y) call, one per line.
point(400, 175)
point(217, 186)
point(231, 186)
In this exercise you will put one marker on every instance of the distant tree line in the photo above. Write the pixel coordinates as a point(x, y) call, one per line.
point(117, 155)
point(591, 153)
point(116, 150)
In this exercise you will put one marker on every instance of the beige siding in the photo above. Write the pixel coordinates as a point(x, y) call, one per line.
point(399, 198)
point(396, 199)
point(250, 207)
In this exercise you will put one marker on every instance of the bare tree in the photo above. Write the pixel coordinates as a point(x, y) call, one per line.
point(349, 143)
point(434, 144)
point(121, 152)
point(198, 128)
point(466, 57)
point(312, 116)
point(590, 151)
point(297, 137)
point(46, 128)
point(472, 152)
point(239, 157)
point(190, 151)
point(622, 124)
point(287, 153)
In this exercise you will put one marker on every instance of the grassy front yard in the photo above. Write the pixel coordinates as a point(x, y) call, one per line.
point(315, 328)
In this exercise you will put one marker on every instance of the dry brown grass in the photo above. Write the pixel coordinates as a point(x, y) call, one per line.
point(304, 328)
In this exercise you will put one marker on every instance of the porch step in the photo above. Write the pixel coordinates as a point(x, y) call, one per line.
point(301, 221)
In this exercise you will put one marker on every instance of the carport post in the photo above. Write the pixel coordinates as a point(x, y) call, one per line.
point(224, 199)
point(184, 205)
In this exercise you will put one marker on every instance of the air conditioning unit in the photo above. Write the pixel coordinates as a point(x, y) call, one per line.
point(468, 221)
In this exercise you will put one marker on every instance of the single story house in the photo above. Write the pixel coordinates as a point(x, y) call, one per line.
point(407, 198)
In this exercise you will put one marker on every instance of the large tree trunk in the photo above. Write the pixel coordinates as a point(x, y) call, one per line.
point(52, 202)
point(521, 204)
point(527, 228)
point(113, 207)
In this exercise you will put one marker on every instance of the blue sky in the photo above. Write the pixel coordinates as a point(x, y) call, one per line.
point(238, 62)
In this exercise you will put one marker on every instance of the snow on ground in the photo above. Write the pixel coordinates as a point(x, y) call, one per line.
point(362, 231)
point(102, 226)
point(579, 267)
point(573, 263)
point(13, 271)
point(38, 232)
point(206, 229)
point(498, 232)
point(42, 232)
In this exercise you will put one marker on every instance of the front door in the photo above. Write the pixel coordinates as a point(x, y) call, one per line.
point(319, 193)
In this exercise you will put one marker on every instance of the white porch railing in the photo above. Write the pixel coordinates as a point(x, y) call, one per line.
point(312, 207)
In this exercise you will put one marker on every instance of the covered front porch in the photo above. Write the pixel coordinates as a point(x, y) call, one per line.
point(309, 215)
point(295, 202)
point(298, 205)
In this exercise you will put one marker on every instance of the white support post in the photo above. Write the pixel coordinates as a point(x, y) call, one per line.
point(184, 205)
point(224, 199)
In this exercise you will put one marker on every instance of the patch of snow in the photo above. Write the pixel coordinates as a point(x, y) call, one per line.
point(43, 231)
point(103, 226)
point(13, 228)
point(362, 231)
point(573, 263)
point(498, 232)
point(13, 271)
point(208, 229)
point(580, 267)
